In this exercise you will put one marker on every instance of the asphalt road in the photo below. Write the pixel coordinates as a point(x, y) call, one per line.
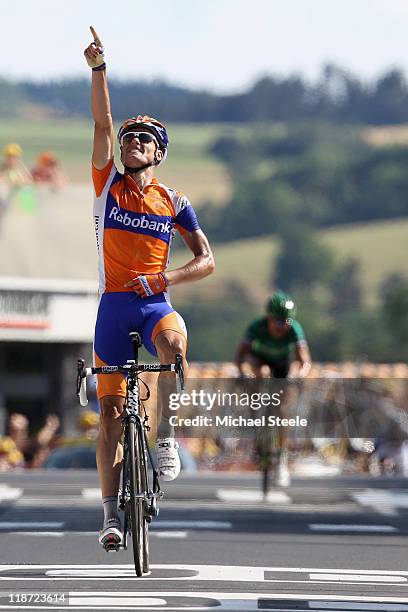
point(323, 544)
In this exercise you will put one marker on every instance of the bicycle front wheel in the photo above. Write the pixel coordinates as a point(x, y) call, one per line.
point(136, 501)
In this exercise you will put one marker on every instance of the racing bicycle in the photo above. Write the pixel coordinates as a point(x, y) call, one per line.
point(138, 496)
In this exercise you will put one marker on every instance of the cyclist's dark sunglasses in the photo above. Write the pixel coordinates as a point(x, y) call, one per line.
point(143, 137)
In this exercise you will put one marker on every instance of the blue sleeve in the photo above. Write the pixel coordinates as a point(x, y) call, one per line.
point(186, 220)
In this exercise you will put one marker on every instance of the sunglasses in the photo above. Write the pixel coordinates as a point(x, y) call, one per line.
point(143, 138)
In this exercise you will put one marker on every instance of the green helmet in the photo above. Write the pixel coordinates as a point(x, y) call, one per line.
point(281, 306)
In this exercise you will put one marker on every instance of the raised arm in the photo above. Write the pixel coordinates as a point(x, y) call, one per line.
point(104, 139)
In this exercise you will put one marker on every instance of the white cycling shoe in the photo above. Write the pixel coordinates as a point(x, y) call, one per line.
point(111, 536)
point(168, 459)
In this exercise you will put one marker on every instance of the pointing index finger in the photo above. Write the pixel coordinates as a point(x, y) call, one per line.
point(96, 38)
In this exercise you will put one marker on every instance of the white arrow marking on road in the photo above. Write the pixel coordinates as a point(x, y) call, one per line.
point(8, 493)
point(242, 495)
point(357, 528)
point(357, 578)
point(384, 502)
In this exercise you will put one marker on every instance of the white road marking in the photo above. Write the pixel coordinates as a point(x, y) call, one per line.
point(358, 578)
point(227, 601)
point(222, 573)
point(133, 600)
point(29, 525)
point(8, 493)
point(357, 528)
point(384, 502)
point(42, 534)
point(357, 606)
point(79, 600)
point(242, 495)
point(192, 524)
point(92, 493)
point(174, 535)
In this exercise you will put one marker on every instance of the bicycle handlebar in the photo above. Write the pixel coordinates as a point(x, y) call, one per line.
point(128, 368)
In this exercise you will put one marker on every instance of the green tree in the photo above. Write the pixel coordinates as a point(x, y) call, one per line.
point(303, 262)
point(394, 313)
point(345, 286)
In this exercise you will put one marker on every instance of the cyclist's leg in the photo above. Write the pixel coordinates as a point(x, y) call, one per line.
point(282, 479)
point(164, 334)
point(168, 343)
point(112, 346)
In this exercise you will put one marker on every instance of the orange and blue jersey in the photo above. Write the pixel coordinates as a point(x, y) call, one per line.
point(134, 229)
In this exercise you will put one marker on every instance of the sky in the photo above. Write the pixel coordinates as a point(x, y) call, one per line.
point(220, 45)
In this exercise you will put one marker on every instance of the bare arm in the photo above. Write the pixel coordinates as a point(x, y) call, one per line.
point(200, 266)
point(302, 365)
point(104, 139)
point(243, 350)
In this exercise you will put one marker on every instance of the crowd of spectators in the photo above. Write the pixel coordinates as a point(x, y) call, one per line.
point(17, 179)
point(20, 449)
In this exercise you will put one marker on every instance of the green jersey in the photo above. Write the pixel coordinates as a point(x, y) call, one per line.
point(272, 349)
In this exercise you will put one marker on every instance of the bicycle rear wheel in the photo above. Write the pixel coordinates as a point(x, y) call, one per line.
point(136, 503)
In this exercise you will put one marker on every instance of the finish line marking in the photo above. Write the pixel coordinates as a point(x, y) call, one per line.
point(352, 528)
point(208, 573)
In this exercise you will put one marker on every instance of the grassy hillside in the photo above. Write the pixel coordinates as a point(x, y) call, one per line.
point(189, 167)
point(380, 247)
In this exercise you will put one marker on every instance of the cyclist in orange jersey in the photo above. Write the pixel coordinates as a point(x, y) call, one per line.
point(135, 219)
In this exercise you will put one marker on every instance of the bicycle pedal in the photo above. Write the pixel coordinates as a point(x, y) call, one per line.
point(111, 544)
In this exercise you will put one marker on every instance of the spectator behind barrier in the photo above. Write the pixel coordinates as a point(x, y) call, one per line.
point(48, 171)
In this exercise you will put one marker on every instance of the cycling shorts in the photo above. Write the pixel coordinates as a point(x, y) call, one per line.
point(279, 368)
point(119, 313)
